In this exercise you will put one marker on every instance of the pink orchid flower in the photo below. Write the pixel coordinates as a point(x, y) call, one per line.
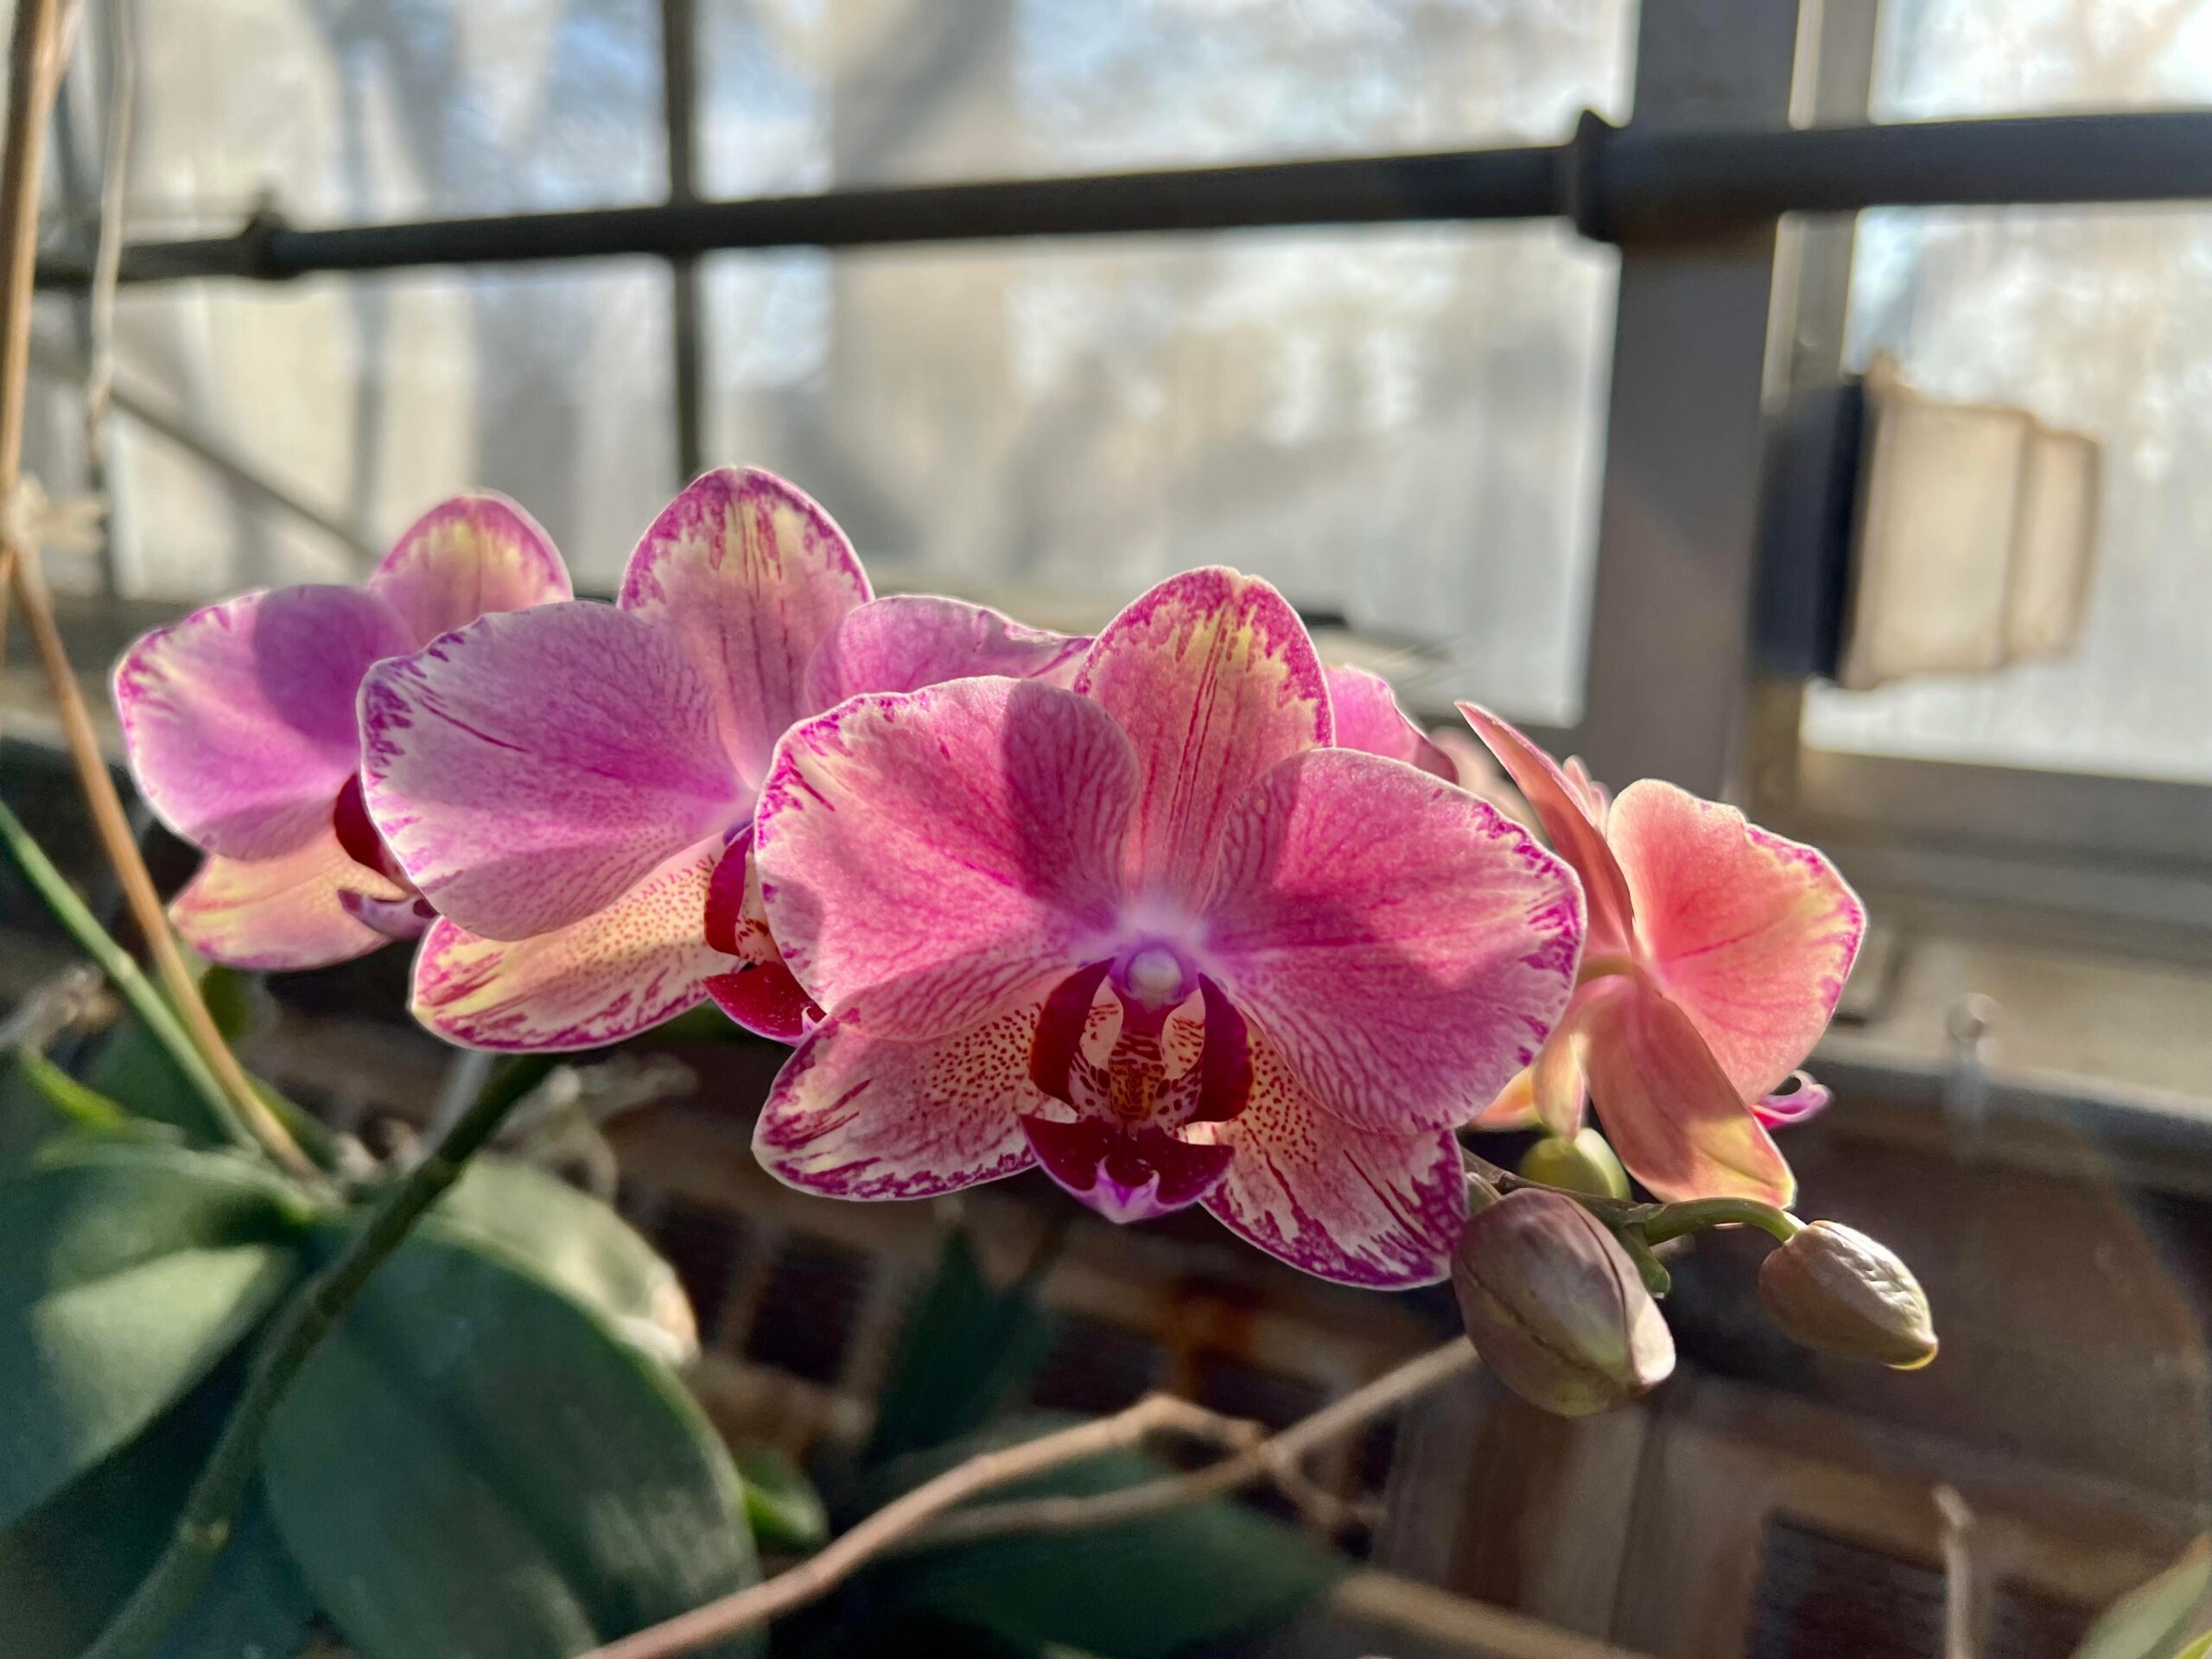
point(1716, 953)
point(572, 787)
point(239, 724)
point(1158, 934)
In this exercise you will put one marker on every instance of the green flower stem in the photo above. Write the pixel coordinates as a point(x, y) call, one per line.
point(146, 1001)
point(1693, 1215)
point(1657, 1223)
point(181, 1575)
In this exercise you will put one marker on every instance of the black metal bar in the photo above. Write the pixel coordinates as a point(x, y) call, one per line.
point(1614, 185)
point(679, 36)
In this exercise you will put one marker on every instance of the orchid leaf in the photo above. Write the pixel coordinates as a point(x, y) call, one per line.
point(1140, 1591)
point(2154, 1620)
point(781, 1502)
point(69, 1565)
point(475, 1464)
point(127, 1272)
point(968, 1349)
point(579, 1244)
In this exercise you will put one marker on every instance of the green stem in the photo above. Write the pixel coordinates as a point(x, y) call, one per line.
point(181, 1575)
point(1695, 1215)
point(1656, 1279)
point(146, 1001)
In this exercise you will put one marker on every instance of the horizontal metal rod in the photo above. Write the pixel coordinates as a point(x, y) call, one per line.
point(1612, 184)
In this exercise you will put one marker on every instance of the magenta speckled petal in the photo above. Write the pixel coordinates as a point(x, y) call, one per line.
point(1211, 675)
point(1666, 1105)
point(526, 770)
point(1567, 813)
point(275, 915)
point(853, 1116)
point(1750, 934)
point(747, 576)
point(936, 854)
point(905, 642)
point(1368, 718)
point(464, 558)
point(1379, 1210)
point(1405, 948)
point(239, 719)
point(640, 961)
point(758, 989)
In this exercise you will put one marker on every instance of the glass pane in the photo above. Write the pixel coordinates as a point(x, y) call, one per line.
point(800, 93)
point(352, 113)
point(1970, 57)
point(1398, 427)
point(368, 400)
point(2095, 320)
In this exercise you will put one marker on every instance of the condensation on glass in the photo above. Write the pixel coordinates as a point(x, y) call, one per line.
point(2093, 319)
point(1400, 425)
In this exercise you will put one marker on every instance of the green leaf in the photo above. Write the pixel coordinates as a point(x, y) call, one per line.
point(126, 1273)
point(474, 1466)
point(68, 1566)
point(2200, 1649)
point(1133, 1591)
point(135, 1069)
point(579, 1244)
point(968, 1349)
point(781, 1502)
point(2153, 1619)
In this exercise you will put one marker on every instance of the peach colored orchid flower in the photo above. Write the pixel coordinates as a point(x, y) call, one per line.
point(572, 787)
point(1716, 953)
point(1161, 935)
point(239, 724)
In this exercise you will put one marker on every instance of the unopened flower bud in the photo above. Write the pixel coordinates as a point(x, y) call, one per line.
point(1556, 1307)
point(1581, 1162)
point(1838, 1290)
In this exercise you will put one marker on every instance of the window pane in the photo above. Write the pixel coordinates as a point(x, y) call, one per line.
point(2027, 57)
point(2096, 320)
point(369, 399)
point(801, 93)
point(354, 112)
point(1400, 426)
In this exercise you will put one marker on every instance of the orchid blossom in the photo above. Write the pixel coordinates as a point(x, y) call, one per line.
point(1159, 935)
point(1716, 953)
point(572, 787)
point(239, 724)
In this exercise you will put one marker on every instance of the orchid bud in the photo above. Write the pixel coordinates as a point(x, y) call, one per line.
point(1556, 1307)
point(1838, 1290)
point(1581, 1162)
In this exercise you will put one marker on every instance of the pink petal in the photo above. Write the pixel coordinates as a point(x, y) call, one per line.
point(1405, 948)
point(760, 992)
point(635, 964)
point(1381, 1210)
point(906, 642)
point(467, 558)
point(1565, 812)
point(1213, 677)
point(239, 719)
point(941, 854)
point(1805, 1098)
point(1669, 1109)
point(1750, 934)
point(278, 914)
point(1514, 1107)
point(854, 1116)
point(407, 917)
point(529, 769)
point(747, 576)
point(1368, 717)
